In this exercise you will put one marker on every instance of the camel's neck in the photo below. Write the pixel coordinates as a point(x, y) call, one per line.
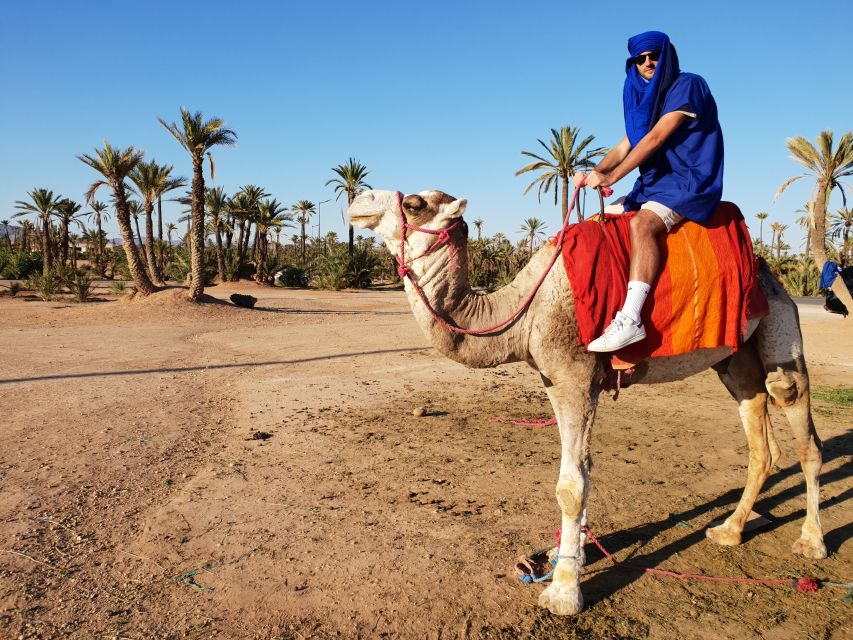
point(443, 278)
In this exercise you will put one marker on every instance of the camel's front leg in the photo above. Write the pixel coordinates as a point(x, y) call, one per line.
point(574, 404)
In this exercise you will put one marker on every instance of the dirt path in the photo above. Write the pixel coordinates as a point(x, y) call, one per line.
point(191, 472)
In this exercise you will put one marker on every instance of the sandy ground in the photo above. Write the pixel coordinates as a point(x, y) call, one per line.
point(179, 471)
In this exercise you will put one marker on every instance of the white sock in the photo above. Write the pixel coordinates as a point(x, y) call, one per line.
point(635, 299)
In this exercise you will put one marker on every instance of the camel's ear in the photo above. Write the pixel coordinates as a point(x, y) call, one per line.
point(453, 210)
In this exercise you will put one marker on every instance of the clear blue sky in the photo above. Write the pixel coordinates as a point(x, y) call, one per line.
point(428, 95)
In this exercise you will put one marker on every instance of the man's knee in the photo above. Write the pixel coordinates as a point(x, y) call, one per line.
point(647, 223)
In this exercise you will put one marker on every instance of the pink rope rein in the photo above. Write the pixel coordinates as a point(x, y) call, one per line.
point(801, 584)
point(405, 271)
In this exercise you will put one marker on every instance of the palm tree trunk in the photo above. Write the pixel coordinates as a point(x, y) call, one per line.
point(819, 243)
point(257, 245)
point(260, 259)
point(160, 218)
point(220, 259)
point(139, 238)
point(350, 198)
point(102, 265)
point(246, 239)
point(47, 258)
point(64, 242)
point(302, 221)
point(144, 286)
point(197, 235)
point(564, 204)
point(153, 266)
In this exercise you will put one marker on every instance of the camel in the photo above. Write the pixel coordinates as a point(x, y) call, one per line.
point(545, 335)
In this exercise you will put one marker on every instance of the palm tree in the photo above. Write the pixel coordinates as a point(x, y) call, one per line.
point(567, 156)
point(350, 181)
point(99, 213)
point(198, 137)
point(171, 228)
point(534, 228)
point(152, 181)
point(762, 216)
point(271, 215)
point(778, 229)
point(26, 230)
point(67, 212)
point(827, 166)
point(115, 165)
point(304, 209)
point(44, 205)
point(135, 208)
point(251, 202)
point(842, 220)
point(478, 223)
point(805, 222)
point(6, 224)
point(215, 204)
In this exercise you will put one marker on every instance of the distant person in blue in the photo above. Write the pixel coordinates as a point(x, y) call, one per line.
point(674, 137)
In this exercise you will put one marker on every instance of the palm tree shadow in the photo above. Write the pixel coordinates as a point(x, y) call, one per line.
point(211, 367)
point(610, 580)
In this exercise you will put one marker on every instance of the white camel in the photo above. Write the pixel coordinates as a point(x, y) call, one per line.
point(546, 337)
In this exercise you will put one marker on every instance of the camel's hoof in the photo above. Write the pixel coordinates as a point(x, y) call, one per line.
point(814, 549)
point(723, 535)
point(562, 600)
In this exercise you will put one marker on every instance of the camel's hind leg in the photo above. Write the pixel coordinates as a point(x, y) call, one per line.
point(780, 347)
point(743, 376)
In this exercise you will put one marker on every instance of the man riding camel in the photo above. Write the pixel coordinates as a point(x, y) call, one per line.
point(674, 137)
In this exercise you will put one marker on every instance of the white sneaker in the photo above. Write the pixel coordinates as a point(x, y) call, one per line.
point(619, 333)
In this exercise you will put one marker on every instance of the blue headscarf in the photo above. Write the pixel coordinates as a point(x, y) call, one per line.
point(642, 99)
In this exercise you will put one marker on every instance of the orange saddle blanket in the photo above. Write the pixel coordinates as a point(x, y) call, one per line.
point(707, 291)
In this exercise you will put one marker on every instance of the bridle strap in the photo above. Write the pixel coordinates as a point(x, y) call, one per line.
point(403, 267)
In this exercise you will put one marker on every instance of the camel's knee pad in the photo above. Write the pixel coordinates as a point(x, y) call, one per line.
point(785, 387)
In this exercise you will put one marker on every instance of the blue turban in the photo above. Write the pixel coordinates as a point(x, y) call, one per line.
point(642, 99)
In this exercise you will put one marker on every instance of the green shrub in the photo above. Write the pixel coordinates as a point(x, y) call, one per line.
point(799, 277)
point(46, 285)
point(119, 287)
point(17, 265)
point(337, 270)
point(331, 270)
point(81, 286)
point(292, 276)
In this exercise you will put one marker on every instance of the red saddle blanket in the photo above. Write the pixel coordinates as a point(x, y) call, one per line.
point(707, 291)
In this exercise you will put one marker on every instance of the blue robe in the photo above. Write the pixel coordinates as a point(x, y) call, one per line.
point(686, 172)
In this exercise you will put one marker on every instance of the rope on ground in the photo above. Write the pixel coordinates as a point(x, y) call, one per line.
point(803, 585)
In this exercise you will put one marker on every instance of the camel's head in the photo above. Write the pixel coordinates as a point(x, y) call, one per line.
point(379, 211)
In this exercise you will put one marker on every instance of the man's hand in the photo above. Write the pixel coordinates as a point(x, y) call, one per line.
point(596, 180)
point(579, 179)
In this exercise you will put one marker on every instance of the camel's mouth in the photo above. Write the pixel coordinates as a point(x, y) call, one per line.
point(366, 210)
point(364, 220)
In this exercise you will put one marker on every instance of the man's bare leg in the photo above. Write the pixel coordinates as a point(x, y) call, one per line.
point(646, 226)
point(627, 328)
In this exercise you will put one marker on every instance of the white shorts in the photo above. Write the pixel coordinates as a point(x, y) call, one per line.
point(669, 217)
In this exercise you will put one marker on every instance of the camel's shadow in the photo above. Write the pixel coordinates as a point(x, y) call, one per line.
point(612, 579)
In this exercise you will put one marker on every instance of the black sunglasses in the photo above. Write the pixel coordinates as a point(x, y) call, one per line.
point(654, 56)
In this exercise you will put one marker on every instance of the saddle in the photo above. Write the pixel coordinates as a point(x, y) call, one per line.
point(707, 291)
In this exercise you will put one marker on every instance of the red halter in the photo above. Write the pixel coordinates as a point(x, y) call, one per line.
point(403, 268)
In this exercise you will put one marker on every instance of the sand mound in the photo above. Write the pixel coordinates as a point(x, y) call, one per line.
point(174, 303)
